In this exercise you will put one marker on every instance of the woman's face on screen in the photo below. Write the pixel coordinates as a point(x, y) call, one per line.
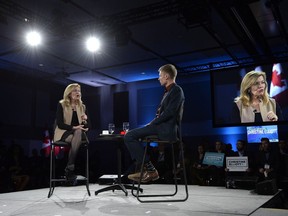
point(75, 94)
point(258, 88)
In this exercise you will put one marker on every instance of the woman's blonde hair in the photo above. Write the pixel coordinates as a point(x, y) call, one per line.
point(66, 95)
point(245, 89)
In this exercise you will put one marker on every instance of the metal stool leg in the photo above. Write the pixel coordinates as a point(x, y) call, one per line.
point(87, 170)
point(138, 196)
point(52, 172)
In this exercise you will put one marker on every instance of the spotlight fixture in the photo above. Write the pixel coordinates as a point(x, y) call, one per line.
point(93, 44)
point(33, 38)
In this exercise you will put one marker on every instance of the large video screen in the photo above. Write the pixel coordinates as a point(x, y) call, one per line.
point(225, 87)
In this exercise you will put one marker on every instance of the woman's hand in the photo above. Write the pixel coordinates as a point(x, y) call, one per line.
point(261, 170)
point(84, 117)
point(81, 127)
point(272, 116)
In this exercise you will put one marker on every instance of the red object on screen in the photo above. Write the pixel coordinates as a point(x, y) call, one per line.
point(122, 132)
point(278, 87)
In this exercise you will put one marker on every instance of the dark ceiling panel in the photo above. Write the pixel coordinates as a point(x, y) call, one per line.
point(139, 36)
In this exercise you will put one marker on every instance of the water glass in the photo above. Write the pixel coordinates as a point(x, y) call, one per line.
point(111, 128)
point(125, 126)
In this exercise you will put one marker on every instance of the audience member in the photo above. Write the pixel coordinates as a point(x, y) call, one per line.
point(282, 155)
point(242, 151)
point(5, 178)
point(199, 171)
point(161, 157)
point(36, 170)
point(17, 167)
point(179, 162)
point(266, 161)
point(232, 176)
point(45, 164)
point(219, 147)
point(282, 147)
point(228, 150)
point(217, 173)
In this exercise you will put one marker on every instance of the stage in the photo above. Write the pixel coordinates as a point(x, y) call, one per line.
point(74, 200)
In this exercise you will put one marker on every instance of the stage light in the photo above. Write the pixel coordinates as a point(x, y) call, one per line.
point(93, 44)
point(33, 38)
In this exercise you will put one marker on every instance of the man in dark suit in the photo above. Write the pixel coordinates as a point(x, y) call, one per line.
point(267, 161)
point(242, 179)
point(164, 125)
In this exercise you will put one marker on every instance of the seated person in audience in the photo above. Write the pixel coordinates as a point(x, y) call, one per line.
point(241, 152)
point(282, 147)
point(5, 178)
point(229, 150)
point(267, 162)
point(17, 167)
point(161, 157)
point(217, 173)
point(36, 170)
point(179, 161)
point(219, 147)
point(199, 171)
point(282, 155)
point(241, 146)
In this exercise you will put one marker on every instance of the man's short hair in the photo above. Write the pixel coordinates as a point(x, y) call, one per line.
point(169, 69)
point(265, 139)
point(242, 141)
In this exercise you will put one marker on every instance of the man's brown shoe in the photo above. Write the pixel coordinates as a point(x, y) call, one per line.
point(150, 176)
point(147, 176)
point(134, 176)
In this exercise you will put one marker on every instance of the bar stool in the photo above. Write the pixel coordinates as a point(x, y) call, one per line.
point(53, 179)
point(150, 139)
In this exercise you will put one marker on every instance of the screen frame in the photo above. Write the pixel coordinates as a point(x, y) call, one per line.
point(236, 70)
point(262, 135)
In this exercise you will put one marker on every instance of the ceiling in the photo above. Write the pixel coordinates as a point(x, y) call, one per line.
point(137, 37)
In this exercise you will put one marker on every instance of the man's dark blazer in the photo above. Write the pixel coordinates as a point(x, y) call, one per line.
point(167, 120)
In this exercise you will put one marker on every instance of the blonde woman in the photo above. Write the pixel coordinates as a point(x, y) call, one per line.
point(71, 122)
point(254, 103)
